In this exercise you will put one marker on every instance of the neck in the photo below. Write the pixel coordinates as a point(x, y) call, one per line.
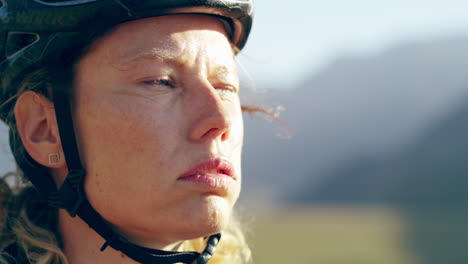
point(81, 244)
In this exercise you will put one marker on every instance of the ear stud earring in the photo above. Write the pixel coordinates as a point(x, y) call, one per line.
point(54, 158)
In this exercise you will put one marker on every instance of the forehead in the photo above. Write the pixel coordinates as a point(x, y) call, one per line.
point(164, 38)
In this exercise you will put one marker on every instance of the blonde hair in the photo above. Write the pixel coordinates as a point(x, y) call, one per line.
point(19, 228)
point(30, 225)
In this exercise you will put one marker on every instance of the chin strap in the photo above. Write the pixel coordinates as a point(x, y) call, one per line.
point(71, 196)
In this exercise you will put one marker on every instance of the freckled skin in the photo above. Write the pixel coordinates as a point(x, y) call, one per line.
point(137, 137)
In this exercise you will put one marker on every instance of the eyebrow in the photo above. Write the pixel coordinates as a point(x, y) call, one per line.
point(155, 53)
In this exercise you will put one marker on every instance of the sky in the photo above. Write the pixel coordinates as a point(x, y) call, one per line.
point(294, 39)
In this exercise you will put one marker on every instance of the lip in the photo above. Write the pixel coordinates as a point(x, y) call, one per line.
point(223, 168)
point(214, 176)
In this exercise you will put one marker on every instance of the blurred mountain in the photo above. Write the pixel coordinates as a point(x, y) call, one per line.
point(429, 173)
point(347, 118)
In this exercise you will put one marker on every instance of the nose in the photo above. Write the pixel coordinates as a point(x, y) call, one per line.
point(212, 115)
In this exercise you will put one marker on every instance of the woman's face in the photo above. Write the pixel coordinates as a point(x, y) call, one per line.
point(156, 98)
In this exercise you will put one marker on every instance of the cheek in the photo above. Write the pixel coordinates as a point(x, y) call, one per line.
point(115, 131)
point(125, 139)
point(120, 124)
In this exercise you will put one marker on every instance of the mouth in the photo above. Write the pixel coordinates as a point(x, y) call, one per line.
point(216, 166)
point(215, 176)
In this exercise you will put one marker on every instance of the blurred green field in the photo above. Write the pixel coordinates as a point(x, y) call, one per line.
point(336, 235)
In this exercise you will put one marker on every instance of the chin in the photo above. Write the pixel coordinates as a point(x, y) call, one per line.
point(206, 215)
point(210, 216)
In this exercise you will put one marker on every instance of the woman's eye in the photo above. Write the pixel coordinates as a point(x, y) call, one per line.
point(226, 89)
point(160, 82)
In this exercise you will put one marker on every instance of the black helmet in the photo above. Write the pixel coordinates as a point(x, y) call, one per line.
point(49, 33)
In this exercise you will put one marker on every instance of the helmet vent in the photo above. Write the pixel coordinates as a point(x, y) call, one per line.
point(18, 41)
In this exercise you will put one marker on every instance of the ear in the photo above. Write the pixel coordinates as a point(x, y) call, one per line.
point(37, 127)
